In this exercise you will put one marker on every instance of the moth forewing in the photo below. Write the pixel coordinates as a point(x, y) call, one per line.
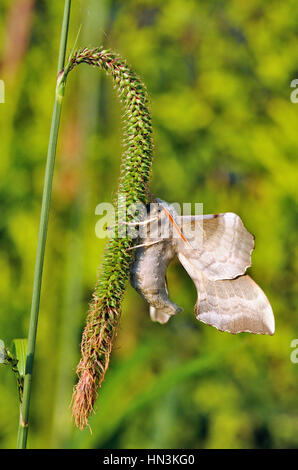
point(223, 247)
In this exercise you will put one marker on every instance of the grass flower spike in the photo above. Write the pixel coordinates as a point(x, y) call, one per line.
point(105, 307)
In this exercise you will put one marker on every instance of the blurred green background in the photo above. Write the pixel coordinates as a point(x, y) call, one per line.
point(218, 75)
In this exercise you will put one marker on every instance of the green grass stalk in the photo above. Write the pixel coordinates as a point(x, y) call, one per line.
point(24, 411)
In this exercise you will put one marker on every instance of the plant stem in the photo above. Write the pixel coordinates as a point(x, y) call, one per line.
point(44, 217)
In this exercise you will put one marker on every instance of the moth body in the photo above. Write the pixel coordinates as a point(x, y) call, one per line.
point(148, 271)
point(148, 277)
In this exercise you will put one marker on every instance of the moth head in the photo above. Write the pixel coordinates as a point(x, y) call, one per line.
point(163, 205)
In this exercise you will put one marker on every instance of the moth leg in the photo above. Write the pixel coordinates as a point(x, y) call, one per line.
point(145, 244)
point(133, 224)
point(143, 222)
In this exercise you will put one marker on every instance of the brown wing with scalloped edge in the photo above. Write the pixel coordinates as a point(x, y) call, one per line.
point(218, 245)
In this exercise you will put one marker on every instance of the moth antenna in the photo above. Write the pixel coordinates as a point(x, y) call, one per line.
point(176, 227)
